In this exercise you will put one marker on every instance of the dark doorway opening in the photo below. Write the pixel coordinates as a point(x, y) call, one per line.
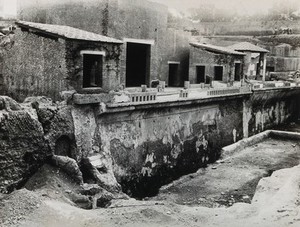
point(219, 73)
point(200, 73)
point(137, 64)
point(270, 69)
point(174, 78)
point(92, 70)
point(258, 69)
point(63, 146)
point(237, 71)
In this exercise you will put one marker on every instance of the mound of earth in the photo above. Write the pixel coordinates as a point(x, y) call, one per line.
point(275, 204)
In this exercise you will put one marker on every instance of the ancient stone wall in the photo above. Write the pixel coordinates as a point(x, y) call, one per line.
point(148, 147)
point(268, 109)
point(111, 74)
point(284, 64)
point(134, 19)
point(22, 144)
point(30, 133)
point(199, 57)
point(145, 146)
point(151, 147)
point(34, 65)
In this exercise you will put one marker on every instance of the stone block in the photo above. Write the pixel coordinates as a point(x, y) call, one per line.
point(120, 97)
point(83, 99)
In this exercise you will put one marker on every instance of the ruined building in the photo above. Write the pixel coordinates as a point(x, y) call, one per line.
point(222, 64)
point(48, 59)
point(255, 60)
point(146, 139)
point(151, 49)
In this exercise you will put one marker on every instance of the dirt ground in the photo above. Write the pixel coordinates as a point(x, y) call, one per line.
point(234, 179)
point(218, 195)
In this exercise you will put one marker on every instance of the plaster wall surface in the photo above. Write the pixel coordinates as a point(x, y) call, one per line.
point(144, 147)
point(268, 109)
point(147, 148)
point(150, 147)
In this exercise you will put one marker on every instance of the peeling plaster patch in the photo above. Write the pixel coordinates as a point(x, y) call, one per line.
point(165, 139)
point(246, 118)
point(150, 158)
point(201, 142)
point(146, 171)
point(259, 120)
point(149, 165)
point(84, 132)
point(176, 150)
point(165, 158)
point(234, 135)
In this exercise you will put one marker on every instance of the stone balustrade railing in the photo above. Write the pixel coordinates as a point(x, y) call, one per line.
point(225, 91)
point(140, 97)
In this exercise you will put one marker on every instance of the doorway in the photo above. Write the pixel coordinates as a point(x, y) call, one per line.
point(92, 70)
point(174, 79)
point(237, 71)
point(200, 74)
point(137, 64)
point(219, 73)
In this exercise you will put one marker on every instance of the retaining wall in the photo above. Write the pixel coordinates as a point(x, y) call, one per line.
point(152, 144)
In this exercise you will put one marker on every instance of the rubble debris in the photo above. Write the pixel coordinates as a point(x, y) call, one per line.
point(69, 165)
point(102, 175)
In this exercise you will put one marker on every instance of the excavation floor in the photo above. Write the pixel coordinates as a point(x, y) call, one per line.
point(218, 195)
point(233, 179)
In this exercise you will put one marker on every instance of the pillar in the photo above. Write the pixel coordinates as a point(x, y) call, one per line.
point(264, 67)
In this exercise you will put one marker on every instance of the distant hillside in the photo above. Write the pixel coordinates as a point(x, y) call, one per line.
point(247, 27)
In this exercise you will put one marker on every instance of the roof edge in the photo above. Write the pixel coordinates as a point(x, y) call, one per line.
point(28, 26)
point(218, 49)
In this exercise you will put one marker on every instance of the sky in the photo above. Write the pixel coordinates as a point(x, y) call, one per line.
point(8, 7)
point(242, 6)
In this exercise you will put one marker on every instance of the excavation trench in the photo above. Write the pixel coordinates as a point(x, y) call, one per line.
point(233, 179)
point(223, 183)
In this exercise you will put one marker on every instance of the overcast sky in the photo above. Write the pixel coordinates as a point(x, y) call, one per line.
point(241, 6)
point(9, 7)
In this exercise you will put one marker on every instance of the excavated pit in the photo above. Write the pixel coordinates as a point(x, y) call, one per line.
point(235, 178)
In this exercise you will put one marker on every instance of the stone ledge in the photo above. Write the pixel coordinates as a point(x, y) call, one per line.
point(84, 99)
point(229, 150)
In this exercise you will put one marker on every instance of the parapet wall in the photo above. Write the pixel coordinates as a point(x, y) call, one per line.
point(150, 145)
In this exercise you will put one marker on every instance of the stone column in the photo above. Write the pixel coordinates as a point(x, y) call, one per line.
point(260, 68)
point(247, 62)
point(264, 67)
